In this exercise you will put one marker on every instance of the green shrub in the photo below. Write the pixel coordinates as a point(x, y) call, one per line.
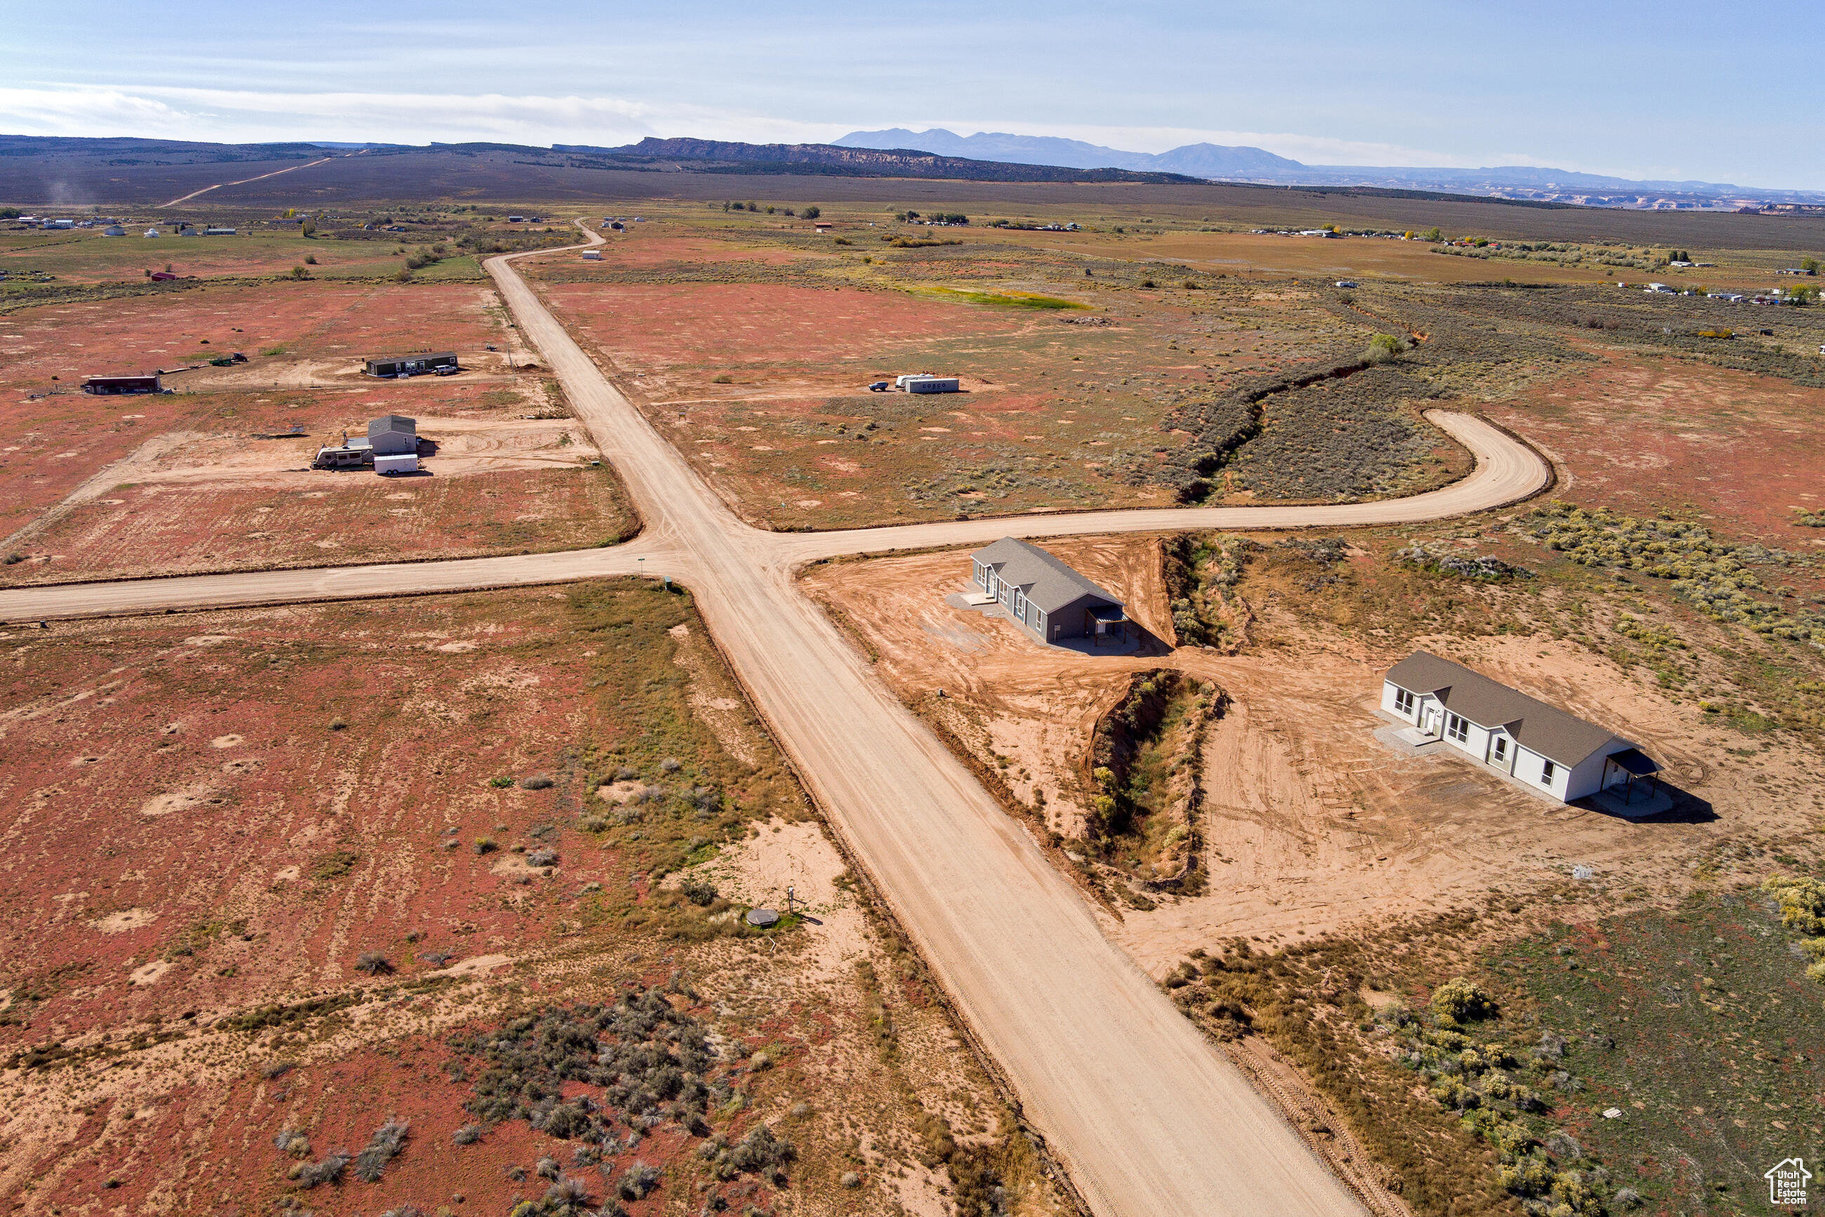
point(1460, 1001)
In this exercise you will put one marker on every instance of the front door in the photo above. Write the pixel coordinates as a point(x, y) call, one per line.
point(1430, 718)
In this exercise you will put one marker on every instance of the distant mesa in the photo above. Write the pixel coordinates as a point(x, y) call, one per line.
point(1258, 166)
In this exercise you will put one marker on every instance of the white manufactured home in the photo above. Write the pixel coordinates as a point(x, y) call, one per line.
point(1537, 744)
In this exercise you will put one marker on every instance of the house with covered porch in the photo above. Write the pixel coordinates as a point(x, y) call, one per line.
point(1529, 740)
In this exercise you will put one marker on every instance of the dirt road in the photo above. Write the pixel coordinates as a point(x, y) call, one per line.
point(1505, 472)
point(259, 177)
point(1145, 1115)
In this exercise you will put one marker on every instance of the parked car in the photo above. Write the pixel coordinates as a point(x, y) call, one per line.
point(879, 386)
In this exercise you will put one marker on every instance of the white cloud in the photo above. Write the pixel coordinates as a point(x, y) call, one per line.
point(97, 111)
point(249, 115)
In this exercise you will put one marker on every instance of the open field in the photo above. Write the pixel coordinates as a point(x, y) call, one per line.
point(753, 351)
point(1170, 364)
point(1256, 805)
point(259, 522)
point(572, 805)
point(505, 176)
point(85, 256)
point(420, 242)
point(133, 485)
point(1649, 435)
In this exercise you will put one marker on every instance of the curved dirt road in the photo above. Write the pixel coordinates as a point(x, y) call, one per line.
point(1145, 1115)
point(1506, 471)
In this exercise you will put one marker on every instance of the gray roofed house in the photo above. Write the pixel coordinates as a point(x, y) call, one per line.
point(393, 435)
point(1522, 736)
point(1045, 595)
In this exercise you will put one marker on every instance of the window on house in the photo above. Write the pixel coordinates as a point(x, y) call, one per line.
point(1457, 728)
point(1547, 769)
point(1403, 701)
point(1498, 748)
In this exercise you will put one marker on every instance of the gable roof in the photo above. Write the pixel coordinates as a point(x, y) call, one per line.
point(393, 422)
point(1045, 580)
point(1562, 738)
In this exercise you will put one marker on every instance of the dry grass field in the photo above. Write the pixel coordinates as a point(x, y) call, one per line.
point(1645, 436)
point(359, 838)
point(132, 485)
point(754, 346)
point(385, 861)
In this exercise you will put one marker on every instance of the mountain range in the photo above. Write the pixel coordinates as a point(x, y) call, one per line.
point(1256, 165)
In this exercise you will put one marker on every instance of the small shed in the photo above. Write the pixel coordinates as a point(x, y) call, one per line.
point(107, 386)
point(114, 230)
point(393, 435)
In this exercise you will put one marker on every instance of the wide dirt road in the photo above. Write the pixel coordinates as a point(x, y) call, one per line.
point(1146, 1116)
point(1148, 1119)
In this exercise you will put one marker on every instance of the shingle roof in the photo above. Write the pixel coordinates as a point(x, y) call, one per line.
point(1562, 738)
point(393, 422)
point(1045, 580)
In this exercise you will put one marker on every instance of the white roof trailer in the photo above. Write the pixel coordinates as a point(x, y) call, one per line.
point(899, 382)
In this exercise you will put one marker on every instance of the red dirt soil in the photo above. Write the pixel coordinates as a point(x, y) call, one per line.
point(1639, 435)
point(204, 814)
point(56, 442)
point(729, 323)
point(348, 517)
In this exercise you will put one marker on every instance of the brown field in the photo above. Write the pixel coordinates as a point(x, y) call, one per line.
point(178, 325)
point(258, 250)
point(505, 178)
point(133, 485)
point(1645, 436)
point(347, 517)
point(762, 381)
point(290, 812)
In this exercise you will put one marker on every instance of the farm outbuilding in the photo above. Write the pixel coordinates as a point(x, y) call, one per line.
point(390, 366)
point(934, 384)
point(1531, 741)
point(110, 385)
point(393, 435)
point(1049, 599)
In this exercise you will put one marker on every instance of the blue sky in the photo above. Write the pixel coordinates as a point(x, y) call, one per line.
point(1674, 89)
